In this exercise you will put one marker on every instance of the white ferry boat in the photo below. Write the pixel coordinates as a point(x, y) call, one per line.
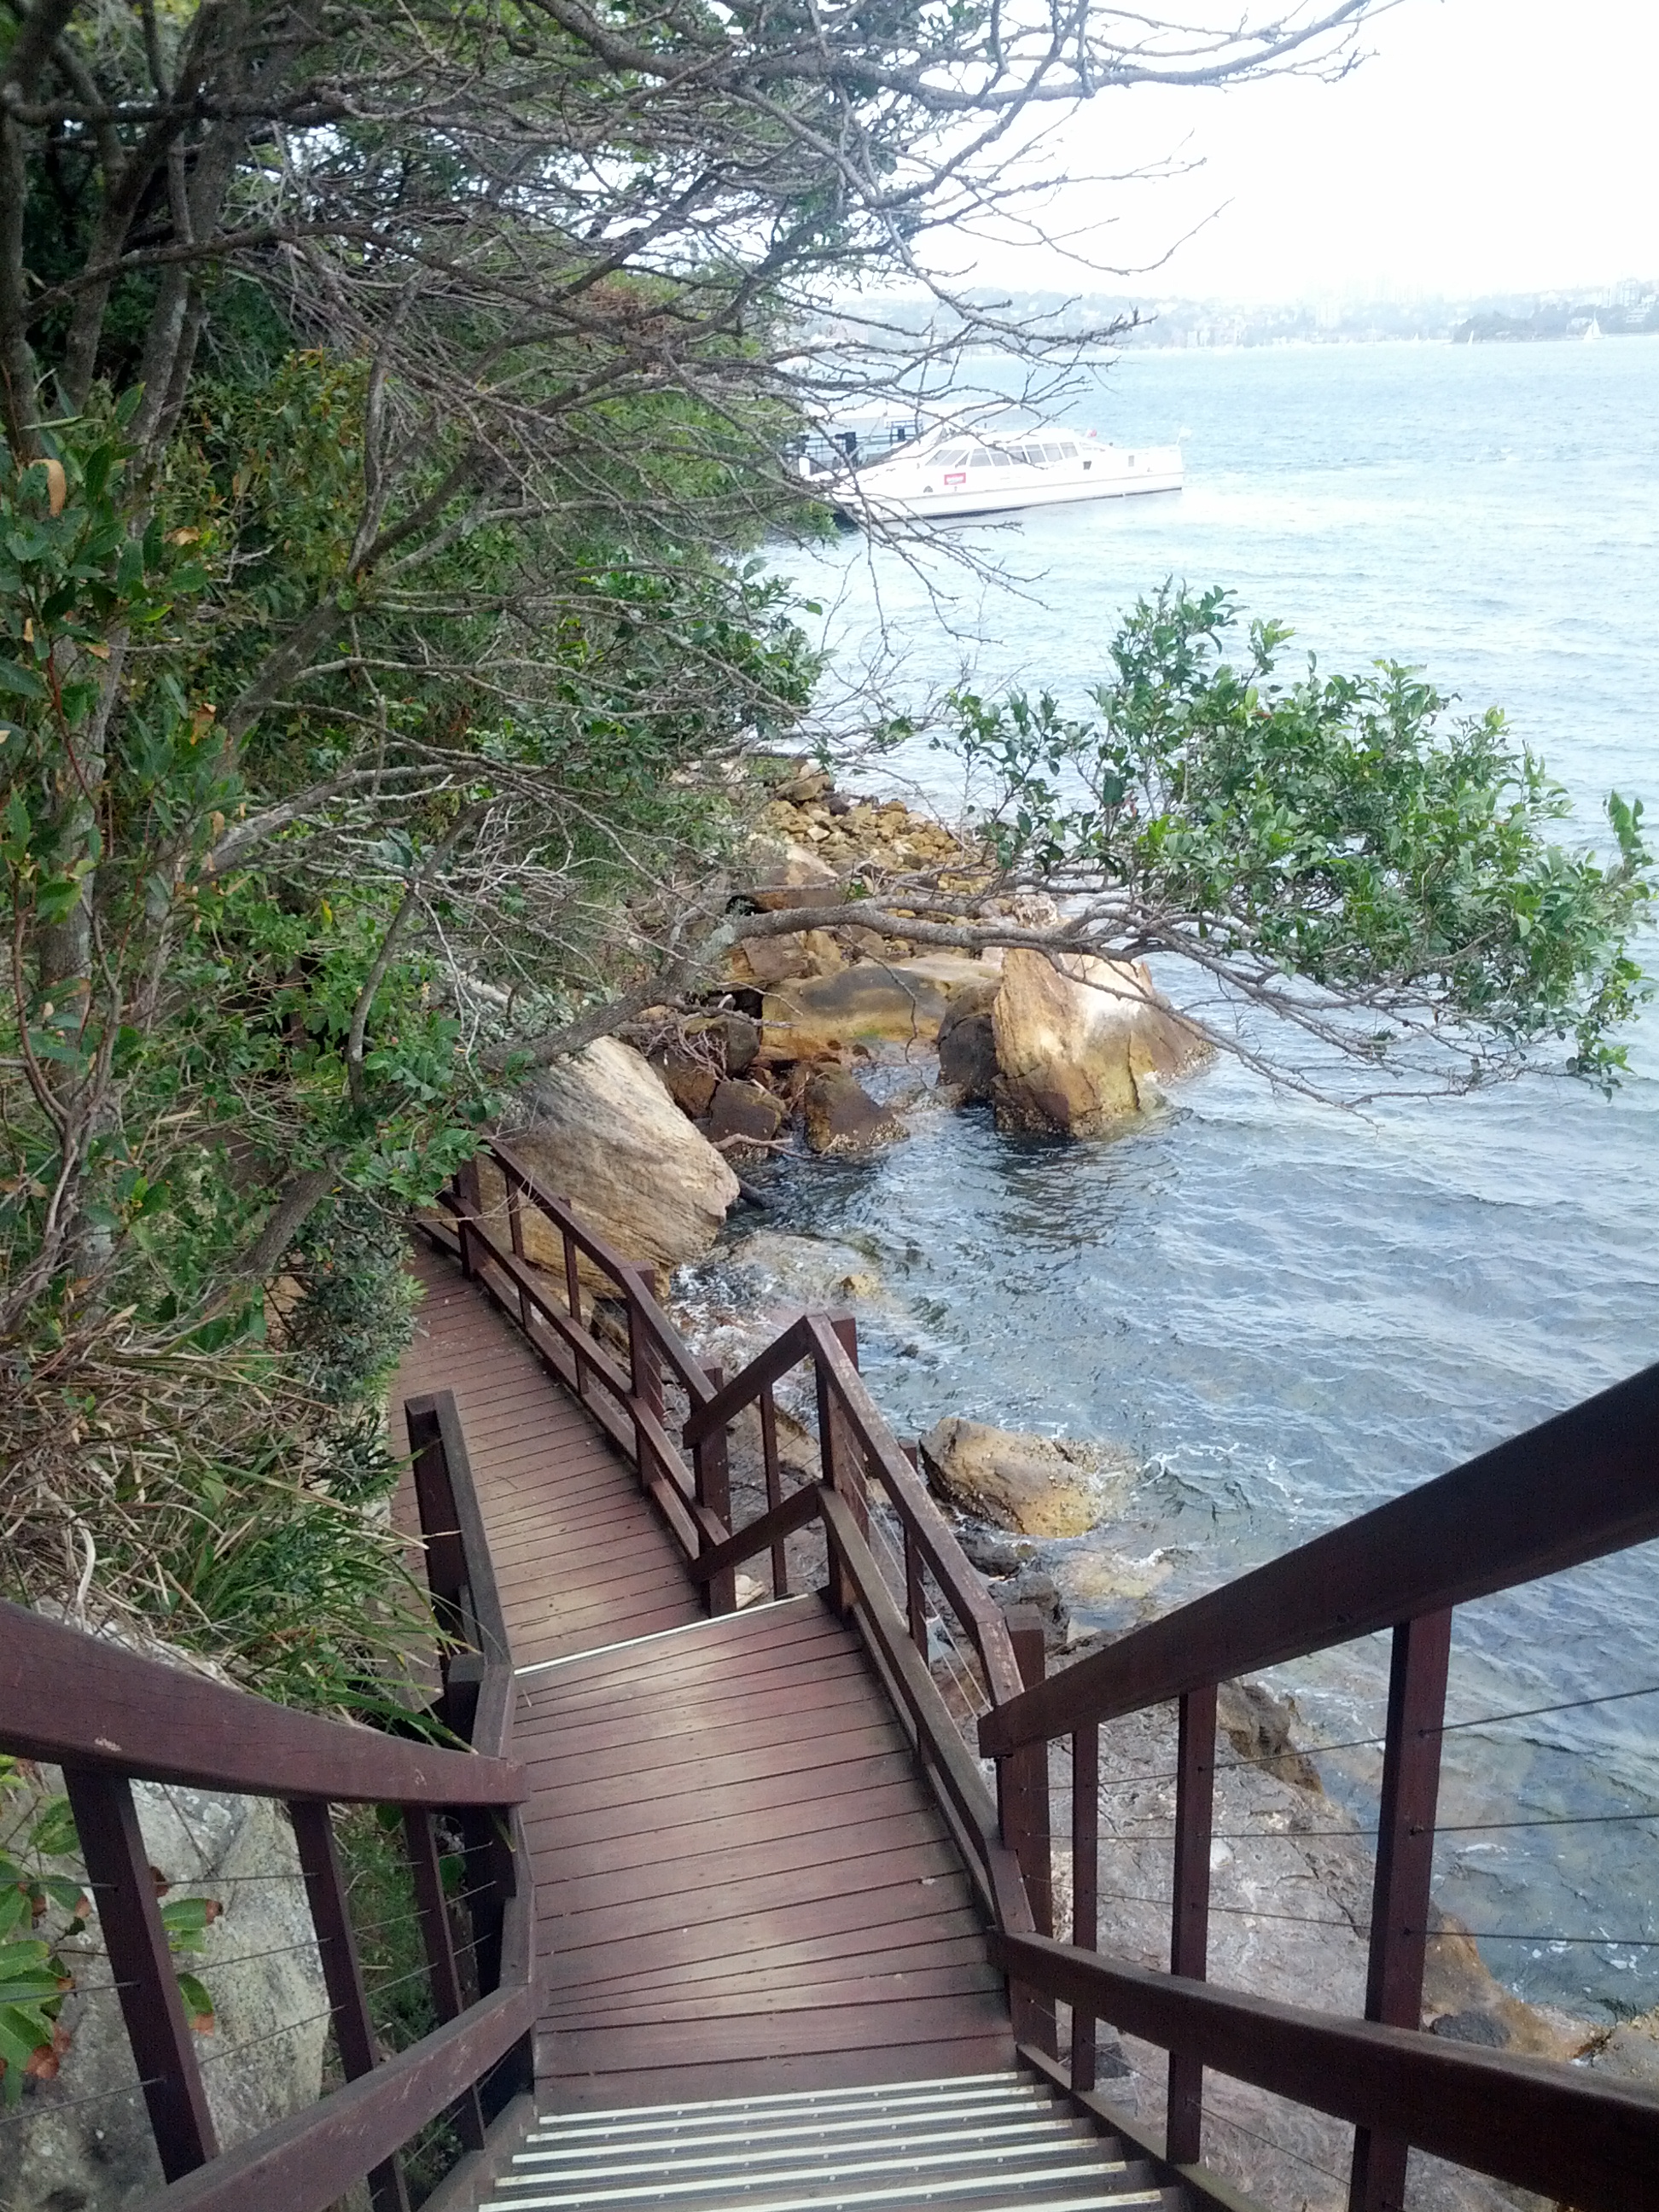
point(991, 469)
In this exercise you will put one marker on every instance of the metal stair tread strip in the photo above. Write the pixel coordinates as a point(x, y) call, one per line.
point(911, 2191)
point(1054, 2128)
point(1038, 2116)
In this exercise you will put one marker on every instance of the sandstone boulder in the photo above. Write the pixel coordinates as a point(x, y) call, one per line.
point(1081, 1043)
point(902, 1002)
point(601, 1130)
point(743, 1115)
point(787, 872)
point(1035, 1485)
point(761, 961)
point(691, 1084)
point(841, 1116)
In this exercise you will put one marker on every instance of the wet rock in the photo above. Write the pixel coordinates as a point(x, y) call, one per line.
point(1258, 1726)
point(1032, 1587)
point(840, 1115)
point(900, 1002)
point(742, 1114)
point(968, 1052)
point(992, 1553)
point(1035, 1485)
point(1082, 1044)
point(602, 1128)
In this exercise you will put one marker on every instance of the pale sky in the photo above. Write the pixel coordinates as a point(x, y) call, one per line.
point(1487, 145)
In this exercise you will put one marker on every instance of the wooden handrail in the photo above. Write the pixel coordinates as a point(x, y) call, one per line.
point(1528, 2121)
point(110, 1716)
point(610, 1262)
point(80, 1700)
point(1575, 1488)
point(310, 2160)
point(963, 1588)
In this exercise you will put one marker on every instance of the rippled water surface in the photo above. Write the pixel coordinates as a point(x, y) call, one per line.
point(1292, 1313)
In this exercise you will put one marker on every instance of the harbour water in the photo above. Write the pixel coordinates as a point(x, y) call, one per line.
point(1292, 1313)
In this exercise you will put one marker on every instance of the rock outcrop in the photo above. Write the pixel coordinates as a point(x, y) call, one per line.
point(968, 1052)
point(1035, 1485)
point(1081, 1043)
point(601, 1124)
point(788, 873)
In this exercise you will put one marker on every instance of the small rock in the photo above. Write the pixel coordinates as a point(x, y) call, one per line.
point(1033, 1586)
point(992, 1553)
point(735, 1036)
point(692, 1083)
point(743, 1114)
point(841, 1116)
point(783, 959)
point(1032, 1485)
point(1257, 1724)
point(1471, 2028)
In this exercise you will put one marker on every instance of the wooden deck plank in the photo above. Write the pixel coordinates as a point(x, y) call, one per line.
point(619, 1574)
point(742, 1883)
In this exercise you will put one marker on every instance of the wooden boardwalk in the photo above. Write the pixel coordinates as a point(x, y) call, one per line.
point(742, 1883)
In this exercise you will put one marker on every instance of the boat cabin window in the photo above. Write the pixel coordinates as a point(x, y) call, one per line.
point(955, 458)
point(981, 458)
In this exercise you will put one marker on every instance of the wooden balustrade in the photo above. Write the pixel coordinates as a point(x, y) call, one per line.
point(111, 1716)
point(1573, 1489)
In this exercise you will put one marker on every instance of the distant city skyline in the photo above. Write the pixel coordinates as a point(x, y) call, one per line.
point(1486, 146)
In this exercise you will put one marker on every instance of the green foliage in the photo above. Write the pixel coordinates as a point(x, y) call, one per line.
point(1346, 830)
point(37, 1969)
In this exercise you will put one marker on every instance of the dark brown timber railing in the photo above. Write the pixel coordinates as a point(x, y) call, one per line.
point(1576, 1489)
point(110, 1717)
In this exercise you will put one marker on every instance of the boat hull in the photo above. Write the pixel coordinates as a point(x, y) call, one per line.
point(880, 495)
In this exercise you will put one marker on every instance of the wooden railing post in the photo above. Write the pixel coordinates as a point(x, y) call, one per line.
point(837, 1458)
point(644, 1375)
point(342, 1976)
point(1023, 1808)
point(442, 1970)
point(1085, 1886)
point(515, 1229)
point(573, 1293)
point(769, 1423)
point(141, 1966)
point(1189, 1919)
point(1404, 1864)
point(712, 1473)
point(469, 1189)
